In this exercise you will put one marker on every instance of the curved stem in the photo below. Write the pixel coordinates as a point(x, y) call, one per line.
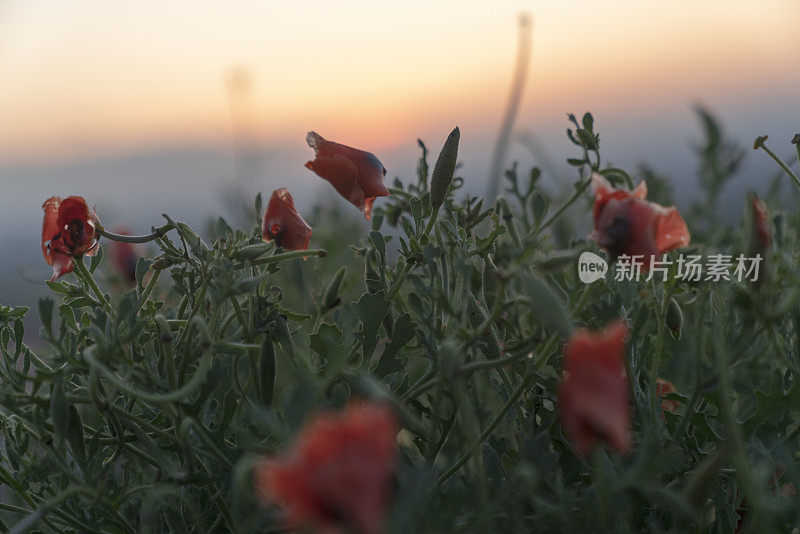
point(155, 234)
point(780, 163)
point(282, 256)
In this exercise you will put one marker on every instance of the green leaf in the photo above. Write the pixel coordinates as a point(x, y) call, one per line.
point(95, 261)
point(539, 205)
point(46, 314)
point(371, 308)
point(75, 436)
point(327, 342)
point(547, 308)
point(402, 332)
point(59, 412)
point(588, 122)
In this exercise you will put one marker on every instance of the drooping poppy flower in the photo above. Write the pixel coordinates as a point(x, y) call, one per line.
point(124, 257)
point(336, 477)
point(593, 398)
point(761, 237)
point(663, 388)
point(69, 230)
point(357, 175)
point(626, 223)
point(283, 224)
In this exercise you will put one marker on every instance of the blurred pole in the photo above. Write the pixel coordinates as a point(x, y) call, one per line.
point(514, 99)
point(238, 85)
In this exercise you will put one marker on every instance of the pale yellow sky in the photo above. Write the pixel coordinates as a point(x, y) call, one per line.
point(115, 76)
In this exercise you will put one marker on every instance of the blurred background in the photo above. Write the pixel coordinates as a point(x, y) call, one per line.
point(187, 107)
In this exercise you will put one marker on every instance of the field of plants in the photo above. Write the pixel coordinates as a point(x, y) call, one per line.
point(448, 366)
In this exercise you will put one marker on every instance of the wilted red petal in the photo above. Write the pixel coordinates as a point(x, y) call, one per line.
point(594, 404)
point(762, 235)
point(663, 388)
point(69, 229)
point(283, 224)
point(626, 223)
point(49, 225)
point(124, 257)
point(355, 174)
point(338, 472)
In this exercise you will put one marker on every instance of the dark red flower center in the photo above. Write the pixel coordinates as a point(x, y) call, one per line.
point(615, 235)
point(275, 229)
point(76, 233)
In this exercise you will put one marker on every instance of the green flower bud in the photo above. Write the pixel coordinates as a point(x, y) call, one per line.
point(444, 169)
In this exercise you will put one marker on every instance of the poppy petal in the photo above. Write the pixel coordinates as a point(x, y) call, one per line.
point(671, 230)
point(284, 224)
point(357, 175)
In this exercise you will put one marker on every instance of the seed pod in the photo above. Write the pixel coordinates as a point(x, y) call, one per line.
point(444, 169)
point(330, 299)
point(252, 252)
point(674, 318)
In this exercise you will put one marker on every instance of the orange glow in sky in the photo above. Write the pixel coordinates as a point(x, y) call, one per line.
point(114, 76)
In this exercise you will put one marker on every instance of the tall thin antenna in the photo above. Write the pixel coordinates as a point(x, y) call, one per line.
point(514, 99)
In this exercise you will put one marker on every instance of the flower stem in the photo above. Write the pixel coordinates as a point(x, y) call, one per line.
point(282, 256)
point(155, 234)
point(151, 284)
point(661, 325)
point(581, 188)
point(780, 162)
point(83, 273)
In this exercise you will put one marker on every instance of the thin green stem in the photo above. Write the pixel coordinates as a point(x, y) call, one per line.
point(151, 284)
point(282, 256)
point(661, 325)
point(83, 273)
point(575, 196)
point(237, 308)
point(157, 232)
point(781, 163)
point(523, 386)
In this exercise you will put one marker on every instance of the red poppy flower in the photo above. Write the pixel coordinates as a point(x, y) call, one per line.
point(762, 235)
point(337, 475)
point(69, 230)
point(626, 223)
point(663, 388)
point(124, 257)
point(594, 403)
point(355, 174)
point(283, 224)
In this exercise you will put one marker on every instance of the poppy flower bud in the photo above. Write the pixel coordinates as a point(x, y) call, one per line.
point(355, 174)
point(69, 230)
point(760, 233)
point(283, 224)
point(337, 475)
point(594, 403)
point(626, 223)
point(330, 299)
point(444, 169)
point(674, 318)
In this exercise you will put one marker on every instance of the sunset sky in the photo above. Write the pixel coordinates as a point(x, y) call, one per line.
point(80, 78)
point(129, 103)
